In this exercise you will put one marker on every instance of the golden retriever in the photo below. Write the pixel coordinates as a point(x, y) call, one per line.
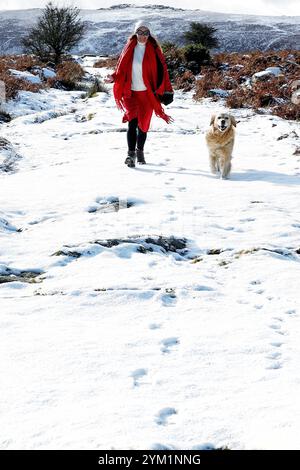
point(220, 141)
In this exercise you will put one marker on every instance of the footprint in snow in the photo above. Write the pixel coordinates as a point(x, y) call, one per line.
point(274, 355)
point(169, 181)
point(274, 365)
point(277, 319)
point(137, 375)
point(158, 446)
point(276, 344)
point(164, 414)
point(277, 329)
point(181, 189)
point(291, 312)
point(170, 197)
point(259, 291)
point(168, 299)
point(248, 219)
point(154, 326)
point(255, 282)
point(167, 343)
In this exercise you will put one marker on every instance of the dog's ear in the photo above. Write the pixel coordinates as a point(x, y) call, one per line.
point(233, 121)
point(212, 119)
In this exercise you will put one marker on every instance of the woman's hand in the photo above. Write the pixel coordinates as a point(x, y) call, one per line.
point(108, 79)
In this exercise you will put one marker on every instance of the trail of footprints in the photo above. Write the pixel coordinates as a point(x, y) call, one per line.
point(275, 359)
point(167, 346)
point(276, 355)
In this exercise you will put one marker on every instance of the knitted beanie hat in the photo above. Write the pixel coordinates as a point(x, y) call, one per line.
point(142, 23)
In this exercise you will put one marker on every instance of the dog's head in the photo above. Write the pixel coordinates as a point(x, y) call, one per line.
point(222, 121)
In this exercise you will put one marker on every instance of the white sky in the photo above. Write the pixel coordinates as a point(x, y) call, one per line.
point(260, 7)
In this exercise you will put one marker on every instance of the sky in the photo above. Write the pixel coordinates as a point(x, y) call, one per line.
point(260, 7)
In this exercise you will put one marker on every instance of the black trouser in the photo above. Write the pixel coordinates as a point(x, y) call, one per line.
point(135, 136)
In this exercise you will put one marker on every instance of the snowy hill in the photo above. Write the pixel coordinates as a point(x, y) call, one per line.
point(108, 28)
point(147, 308)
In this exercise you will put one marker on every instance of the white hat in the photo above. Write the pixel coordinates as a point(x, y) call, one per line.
point(142, 23)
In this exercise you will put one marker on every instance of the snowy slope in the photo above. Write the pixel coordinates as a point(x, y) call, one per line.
point(132, 345)
point(107, 28)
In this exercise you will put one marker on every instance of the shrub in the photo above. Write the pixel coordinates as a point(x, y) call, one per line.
point(234, 72)
point(110, 63)
point(201, 33)
point(14, 84)
point(287, 111)
point(68, 73)
point(196, 53)
point(185, 81)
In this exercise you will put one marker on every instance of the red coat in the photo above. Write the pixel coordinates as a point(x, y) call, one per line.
point(155, 76)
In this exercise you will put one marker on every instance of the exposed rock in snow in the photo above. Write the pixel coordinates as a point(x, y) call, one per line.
point(48, 73)
point(8, 156)
point(267, 73)
point(219, 92)
point(12, 275)
point(29, 77)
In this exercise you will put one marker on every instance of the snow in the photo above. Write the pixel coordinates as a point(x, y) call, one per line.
point(29, 77)
point(48, 73)
point(275, 71)
point(122, 347)
point(108, 28)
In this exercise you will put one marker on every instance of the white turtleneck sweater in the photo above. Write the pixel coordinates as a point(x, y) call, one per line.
point(137, 82)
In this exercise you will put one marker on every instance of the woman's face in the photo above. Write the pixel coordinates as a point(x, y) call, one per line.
point(142, 34)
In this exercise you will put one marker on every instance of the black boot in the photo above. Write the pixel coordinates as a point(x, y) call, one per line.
point(140, 156)
point(130, 160)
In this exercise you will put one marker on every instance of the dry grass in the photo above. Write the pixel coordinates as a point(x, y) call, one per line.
point(14, 84)
point(233, 72)
point(185, 82)
point(69, 72)
point(110, 63)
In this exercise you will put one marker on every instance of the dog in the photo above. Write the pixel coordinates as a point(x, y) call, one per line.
point(220, 140)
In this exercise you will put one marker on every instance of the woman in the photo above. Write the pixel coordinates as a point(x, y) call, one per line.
point(141, 76)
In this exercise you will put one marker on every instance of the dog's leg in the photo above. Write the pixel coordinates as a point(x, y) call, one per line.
point(226, 169)
point(214, 167)
point(225, 164)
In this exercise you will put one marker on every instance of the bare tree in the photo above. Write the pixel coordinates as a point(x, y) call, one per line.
point(56, 32)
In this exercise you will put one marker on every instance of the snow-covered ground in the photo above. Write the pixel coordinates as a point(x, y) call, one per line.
point(116, 342)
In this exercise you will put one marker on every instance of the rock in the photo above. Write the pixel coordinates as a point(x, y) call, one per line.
point(8, 156)
point(48, 73)
point(218, 92)
point(266, 74)
point(297, 151)
point(145, 244)
point(4, 117)
point(27, 76)
point(11, 275)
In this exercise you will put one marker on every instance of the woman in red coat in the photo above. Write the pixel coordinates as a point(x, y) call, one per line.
point(141, 76)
